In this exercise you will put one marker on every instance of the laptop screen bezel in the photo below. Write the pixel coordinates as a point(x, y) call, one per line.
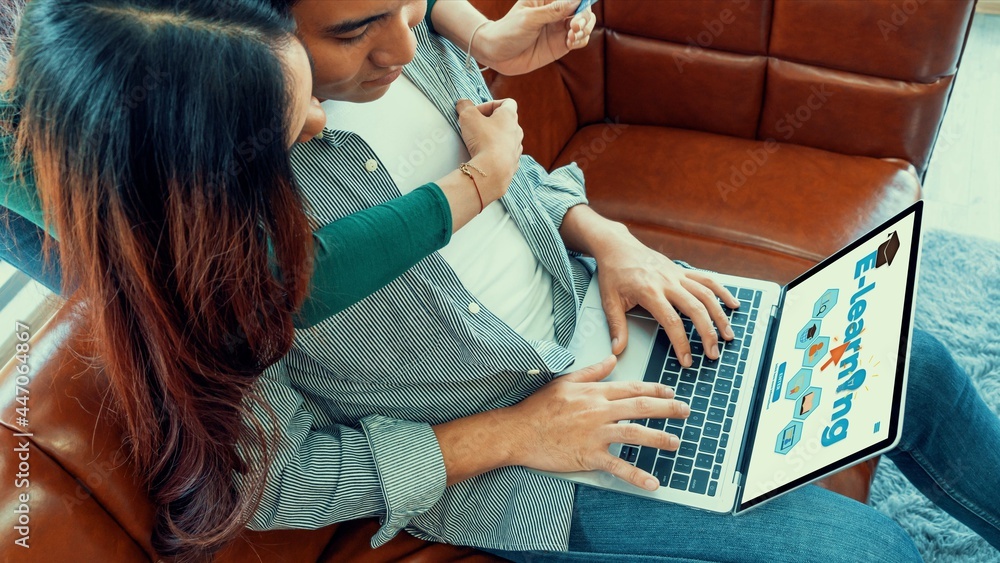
point(898, 391)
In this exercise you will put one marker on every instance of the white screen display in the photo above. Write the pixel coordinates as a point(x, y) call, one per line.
point(829, 393)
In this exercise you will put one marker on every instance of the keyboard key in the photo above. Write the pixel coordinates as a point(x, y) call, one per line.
point(724, 441)
point(669, 379)
point(731, 289)
point(708, 445)
point(691, 433)
point(703, 389)
point(745, 305)
point(727, 372)
point(745, 294)
point(699, 482)
point(656, 423)
point(738, 331)
point(695, 337)
point(735, 395)
point(679, 481)
point(747, 340)
point(741, 368)
point(716, 471)
point(699, 404)
point(720, 455)
point(629, 453)
point(756, 299)
point(697, 349)
point(684, 390)
point(712, 430)
point(673, 365)
point(689, 375)
point(688, 449)
point(724, 386)
point(683, 464)
point(704, 461)
point(712, 488)
point(647, 457)
point(753, 315)
point(669, 454)
point(709, 363)
point(696, 419)
point(743, 355)
point(696, 362)
point(688, 325)
point(738, 382)
point(716, 414)
point(740, 319)
point(731, 411)
point(728, 425)
point(729, 358)
point(719, 400)
point(706, 375)
point(662, 470)
point(674, 426)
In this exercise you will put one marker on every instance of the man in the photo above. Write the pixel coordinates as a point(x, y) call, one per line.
point(423, 404)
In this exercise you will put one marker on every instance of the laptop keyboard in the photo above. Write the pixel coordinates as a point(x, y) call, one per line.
point(711, 388)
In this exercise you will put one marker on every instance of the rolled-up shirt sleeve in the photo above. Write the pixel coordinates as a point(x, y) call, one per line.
point(557, 191)
point(386, 468)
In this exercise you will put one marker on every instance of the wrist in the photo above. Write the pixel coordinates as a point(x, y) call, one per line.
point(480, 41)
point(489, 184)
point(594, 234)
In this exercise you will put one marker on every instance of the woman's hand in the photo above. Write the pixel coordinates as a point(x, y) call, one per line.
point(533, 34)
point(569, 424)
point(493, 136)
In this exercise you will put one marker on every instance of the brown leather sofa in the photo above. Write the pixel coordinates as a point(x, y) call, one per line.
point(748, 136)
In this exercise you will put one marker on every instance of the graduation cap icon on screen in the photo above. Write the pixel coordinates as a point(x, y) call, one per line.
point(887, 251)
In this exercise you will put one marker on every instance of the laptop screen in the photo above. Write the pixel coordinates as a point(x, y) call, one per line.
point(833, 393)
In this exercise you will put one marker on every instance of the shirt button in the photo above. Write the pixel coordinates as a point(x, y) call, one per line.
point(474, 308)
point(534, 372)
point(371, 165)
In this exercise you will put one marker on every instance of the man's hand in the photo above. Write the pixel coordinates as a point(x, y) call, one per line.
point(569, 424)
point(533, 34)
point(631, 274)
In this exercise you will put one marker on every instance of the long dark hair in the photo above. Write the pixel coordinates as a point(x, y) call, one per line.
point(158, 134)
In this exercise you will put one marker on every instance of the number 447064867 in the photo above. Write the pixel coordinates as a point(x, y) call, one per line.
point(23, 369)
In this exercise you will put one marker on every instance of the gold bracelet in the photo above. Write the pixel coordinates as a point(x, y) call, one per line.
point(467, 168)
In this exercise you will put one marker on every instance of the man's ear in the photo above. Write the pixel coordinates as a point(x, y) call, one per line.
point(315, 122)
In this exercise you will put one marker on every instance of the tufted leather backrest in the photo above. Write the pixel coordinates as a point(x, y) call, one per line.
point(867, 78)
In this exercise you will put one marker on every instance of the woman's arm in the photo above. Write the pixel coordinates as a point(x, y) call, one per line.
point(533, 34)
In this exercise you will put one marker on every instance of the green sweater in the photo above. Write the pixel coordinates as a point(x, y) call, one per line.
point(355, 256)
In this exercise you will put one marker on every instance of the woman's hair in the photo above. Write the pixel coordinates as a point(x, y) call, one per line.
point(10, 11)
point(158, 131)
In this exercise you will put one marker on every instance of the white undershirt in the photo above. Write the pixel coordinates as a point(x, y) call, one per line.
point(490, 255)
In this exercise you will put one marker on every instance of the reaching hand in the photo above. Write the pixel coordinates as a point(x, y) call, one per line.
point(632, 274)
point(569, 424)
point(533, 34)
point(493, 137)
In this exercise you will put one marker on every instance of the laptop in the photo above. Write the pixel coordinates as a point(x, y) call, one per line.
point(814, 382)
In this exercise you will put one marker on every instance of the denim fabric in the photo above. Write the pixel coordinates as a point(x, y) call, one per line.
point(950, 450)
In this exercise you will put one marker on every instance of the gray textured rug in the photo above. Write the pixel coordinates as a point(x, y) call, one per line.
point(958, 287)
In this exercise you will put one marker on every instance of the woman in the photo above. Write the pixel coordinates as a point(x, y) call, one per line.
point(183, 236)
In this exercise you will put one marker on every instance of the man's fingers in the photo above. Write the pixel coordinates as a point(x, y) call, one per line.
point(648, 407)
point(667, 316)
point(639, 435)
point(628, 472)
point(593, 373)
point(508, 104)
point(708, 299)
point(717, 288)
point(489, 107)
point(617, 325)
point(463, 105)
point(554, 11)
point(616, 390)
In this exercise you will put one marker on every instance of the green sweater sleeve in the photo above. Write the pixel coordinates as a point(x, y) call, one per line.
point(427, 18)
point(361, 253)
point(355, 256)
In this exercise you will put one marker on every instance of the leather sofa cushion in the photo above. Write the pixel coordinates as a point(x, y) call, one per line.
point(696, 195)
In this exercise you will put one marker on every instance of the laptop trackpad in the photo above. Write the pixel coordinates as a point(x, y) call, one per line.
point(592, 343)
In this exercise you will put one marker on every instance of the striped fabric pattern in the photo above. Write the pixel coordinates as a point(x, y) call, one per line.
point(356, 397)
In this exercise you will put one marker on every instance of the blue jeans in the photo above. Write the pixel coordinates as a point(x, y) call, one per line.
point(950, 450)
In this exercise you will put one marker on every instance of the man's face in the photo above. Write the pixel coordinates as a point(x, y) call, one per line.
point(359, 46)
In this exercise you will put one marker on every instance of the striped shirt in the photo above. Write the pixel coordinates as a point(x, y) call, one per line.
point(357, 395)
